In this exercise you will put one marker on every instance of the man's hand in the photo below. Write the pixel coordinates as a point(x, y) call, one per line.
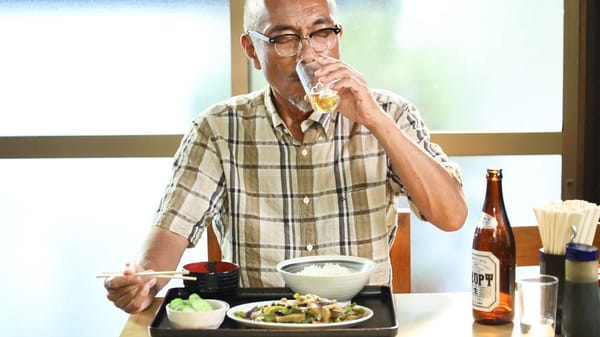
point(130, 292)
point(356, 102)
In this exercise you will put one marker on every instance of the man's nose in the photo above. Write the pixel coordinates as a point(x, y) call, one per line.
point(306, 52)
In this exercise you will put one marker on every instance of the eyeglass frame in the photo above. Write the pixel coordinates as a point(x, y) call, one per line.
point(336, 29)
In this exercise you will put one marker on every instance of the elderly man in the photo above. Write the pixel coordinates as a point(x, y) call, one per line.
point(276, 179)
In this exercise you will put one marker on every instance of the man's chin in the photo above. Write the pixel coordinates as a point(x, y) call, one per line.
point(301, 104)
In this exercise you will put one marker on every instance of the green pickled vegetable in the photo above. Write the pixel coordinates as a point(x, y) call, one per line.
point(193, 303)
point(198, 303)
point(177, 304)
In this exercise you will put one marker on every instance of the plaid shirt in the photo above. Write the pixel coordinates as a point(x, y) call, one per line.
point(270, 197)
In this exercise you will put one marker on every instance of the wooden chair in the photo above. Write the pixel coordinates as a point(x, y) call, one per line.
point(399, 252)
point(528, 241)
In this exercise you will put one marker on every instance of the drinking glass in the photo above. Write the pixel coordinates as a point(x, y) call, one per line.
point(537, 297)
point(322, 98)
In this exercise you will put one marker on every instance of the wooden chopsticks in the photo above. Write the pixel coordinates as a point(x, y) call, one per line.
point(174, 274)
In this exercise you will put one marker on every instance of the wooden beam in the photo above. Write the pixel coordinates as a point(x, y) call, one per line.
point(484, 144)
point(469, 144)
point(89, 146)
point(240, 73)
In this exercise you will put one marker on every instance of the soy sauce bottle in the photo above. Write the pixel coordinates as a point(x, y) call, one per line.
point(581, 304)
point(493, 258)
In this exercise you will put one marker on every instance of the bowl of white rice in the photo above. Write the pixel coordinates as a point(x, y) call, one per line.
point(331, 276)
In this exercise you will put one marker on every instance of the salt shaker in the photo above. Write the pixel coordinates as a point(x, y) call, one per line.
point(581, 300)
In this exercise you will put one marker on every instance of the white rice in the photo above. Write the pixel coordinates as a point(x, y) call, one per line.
point(327, 269)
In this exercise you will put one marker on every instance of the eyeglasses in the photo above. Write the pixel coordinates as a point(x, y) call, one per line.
point(290, 44)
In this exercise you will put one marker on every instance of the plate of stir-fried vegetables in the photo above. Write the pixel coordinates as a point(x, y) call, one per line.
point(303, 311)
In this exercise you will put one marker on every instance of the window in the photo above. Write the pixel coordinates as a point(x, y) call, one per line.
point(110, 67)
point(78, 78)
point(469, 66)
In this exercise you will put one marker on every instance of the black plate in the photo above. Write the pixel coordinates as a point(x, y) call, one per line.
point(379, 299)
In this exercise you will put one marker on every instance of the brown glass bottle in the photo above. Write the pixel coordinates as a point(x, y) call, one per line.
point(493, 258)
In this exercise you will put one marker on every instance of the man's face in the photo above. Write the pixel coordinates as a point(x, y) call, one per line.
point(297, 17)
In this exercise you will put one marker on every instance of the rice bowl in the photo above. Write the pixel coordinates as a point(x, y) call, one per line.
point(330, 276)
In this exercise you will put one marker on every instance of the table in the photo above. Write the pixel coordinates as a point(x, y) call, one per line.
point(418, 314)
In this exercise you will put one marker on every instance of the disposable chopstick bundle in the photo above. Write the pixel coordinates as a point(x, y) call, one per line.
point(591, 221)
point(560, 222)
point(587, 227)
point(545, 228)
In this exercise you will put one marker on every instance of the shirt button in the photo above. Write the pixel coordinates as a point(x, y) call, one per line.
point(309, 247)
point(304, 152)
point(306, 200)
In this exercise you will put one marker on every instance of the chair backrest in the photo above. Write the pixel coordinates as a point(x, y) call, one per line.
point(399, 252)
point(527, 239)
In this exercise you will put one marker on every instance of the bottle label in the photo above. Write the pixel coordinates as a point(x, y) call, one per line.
point(487, 221)
point(486, 281)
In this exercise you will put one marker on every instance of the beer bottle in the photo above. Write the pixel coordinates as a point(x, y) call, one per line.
point(493, 258)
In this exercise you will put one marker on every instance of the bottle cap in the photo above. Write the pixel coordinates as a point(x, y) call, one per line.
point(581, 252)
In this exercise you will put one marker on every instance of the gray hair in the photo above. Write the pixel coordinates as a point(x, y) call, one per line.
point(253, 10)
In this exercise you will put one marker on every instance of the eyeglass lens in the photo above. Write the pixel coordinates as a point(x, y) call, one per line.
point(321, 41)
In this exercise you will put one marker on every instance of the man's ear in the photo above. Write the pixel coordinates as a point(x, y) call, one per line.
point(250, 50)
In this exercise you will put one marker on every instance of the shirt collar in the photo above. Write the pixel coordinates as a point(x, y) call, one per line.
point(271, 110)
point(325, 120)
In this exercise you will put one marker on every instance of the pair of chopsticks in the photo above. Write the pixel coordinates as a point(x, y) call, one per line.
point(158, 274)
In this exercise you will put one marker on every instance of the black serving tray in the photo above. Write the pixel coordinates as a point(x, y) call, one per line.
point(379, 299)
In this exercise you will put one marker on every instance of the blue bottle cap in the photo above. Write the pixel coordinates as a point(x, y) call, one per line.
point(581, 252)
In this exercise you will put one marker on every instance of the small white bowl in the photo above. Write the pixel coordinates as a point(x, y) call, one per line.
point(199, 319)
point(340, 287)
